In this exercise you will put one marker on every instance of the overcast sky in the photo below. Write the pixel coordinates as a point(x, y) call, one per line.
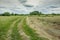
point(26, 6)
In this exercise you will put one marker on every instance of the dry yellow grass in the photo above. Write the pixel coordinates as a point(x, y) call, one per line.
point(48, 27)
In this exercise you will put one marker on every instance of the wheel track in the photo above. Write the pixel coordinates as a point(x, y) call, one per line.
point(8, 35)
point(24, 36)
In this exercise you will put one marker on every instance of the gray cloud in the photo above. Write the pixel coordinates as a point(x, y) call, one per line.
point(26, 6)
point(53, 7)
point(22, 1)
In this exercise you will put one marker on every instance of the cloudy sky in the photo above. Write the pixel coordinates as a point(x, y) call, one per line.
point(26, 6)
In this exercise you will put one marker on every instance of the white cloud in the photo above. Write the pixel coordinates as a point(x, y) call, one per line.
point(11, 4)
point(33, 2)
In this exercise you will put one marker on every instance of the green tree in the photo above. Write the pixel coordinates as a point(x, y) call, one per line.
point(35, 13)
point(6, 14)
point(53, 14)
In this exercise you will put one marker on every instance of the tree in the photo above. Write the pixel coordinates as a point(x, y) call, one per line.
point(53, 14)
point(16, 14)
point(6, 14)
point(35, 13)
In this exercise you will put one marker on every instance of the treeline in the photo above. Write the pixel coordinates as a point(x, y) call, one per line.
point(31, 13)
point(42, 14)
point(11, 14)
point(6, 14)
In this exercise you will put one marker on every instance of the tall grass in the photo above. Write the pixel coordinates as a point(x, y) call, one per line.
point(5, 23)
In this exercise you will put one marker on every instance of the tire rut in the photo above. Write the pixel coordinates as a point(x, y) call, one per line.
point(8, 35)
point(24, 36)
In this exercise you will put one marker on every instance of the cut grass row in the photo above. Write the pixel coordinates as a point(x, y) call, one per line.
point(30, 32)
point(5, 23)
point(15, 32)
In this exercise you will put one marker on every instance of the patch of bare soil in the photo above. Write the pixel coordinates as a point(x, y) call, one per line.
point(23, 35)
point(40, 28)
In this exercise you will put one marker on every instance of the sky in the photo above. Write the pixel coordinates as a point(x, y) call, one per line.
point(26, 6)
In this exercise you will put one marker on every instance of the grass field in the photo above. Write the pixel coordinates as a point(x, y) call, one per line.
point(29, 28)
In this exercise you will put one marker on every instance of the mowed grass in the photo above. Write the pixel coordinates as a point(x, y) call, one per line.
point(51, 25)
point(5, 22)
point(54, 20)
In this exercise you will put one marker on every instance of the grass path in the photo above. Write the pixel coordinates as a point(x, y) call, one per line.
point(8, 35)
point(21, 32)
point(15, 32)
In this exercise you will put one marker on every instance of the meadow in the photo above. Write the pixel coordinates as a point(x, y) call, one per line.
point(29, 28)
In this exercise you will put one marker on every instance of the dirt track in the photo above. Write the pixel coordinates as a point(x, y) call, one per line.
point(24, 36)
point(40, 29)
point(20, 30)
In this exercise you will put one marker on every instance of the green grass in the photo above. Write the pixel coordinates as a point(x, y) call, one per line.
point(5, 23)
